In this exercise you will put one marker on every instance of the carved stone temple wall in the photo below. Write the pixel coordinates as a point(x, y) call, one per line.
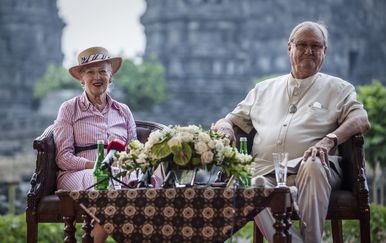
point(30, 39)
point(213, 50)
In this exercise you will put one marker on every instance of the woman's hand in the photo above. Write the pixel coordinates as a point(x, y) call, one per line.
point(89, 165)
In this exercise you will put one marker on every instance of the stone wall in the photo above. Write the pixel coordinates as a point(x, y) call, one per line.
point(213, 50)
point(30, 38)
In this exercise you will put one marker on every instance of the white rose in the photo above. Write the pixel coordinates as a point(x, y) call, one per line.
point(190, 129)
point(135, 144)
point(228, 151)
point(219, 145)
point(203, 137)
point(155, 137)
point(206, 157)
point(174, 141)
point(186, 137)
point(211, 144)
point(142, 159)
point(201, 147)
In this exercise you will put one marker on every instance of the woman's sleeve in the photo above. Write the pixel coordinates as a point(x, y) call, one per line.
point(131, 127)
point(64, 141)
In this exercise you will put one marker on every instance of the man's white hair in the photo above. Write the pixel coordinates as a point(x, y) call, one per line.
point(315, 25)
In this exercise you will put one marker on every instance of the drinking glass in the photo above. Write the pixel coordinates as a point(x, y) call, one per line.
point(280, 162)
point(115, 170)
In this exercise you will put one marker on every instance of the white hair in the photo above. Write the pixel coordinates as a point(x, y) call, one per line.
point(315, 25)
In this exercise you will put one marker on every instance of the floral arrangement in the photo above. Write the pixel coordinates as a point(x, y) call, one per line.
point(185, 148)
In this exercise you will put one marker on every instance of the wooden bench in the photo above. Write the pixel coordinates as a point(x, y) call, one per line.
point(43, 206)
point(349, 202)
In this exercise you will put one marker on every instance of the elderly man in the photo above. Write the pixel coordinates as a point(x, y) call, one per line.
point(307, 114)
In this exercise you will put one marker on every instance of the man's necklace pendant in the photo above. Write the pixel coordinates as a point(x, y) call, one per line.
point(292, 109)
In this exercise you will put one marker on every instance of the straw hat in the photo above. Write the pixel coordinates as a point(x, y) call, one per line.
point(94, 55)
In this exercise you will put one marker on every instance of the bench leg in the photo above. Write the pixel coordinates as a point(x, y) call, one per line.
point(336, 228)
point(69, 229)
point(87, 228)
point(32, 229)
point(257, 235)
point(365, 230)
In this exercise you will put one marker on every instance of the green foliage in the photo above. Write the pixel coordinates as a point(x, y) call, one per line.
point(14, 229)
point(143, 84)
point(55, 78)
point(351, 231)
point(373, 98)
point(245, 233)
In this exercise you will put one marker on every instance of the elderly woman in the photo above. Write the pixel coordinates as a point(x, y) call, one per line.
point(89, 117)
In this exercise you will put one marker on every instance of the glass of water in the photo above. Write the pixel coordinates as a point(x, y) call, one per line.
point(115, 170)
point(280, 162)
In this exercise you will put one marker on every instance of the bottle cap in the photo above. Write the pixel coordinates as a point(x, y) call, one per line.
point(243, 139)
point(100, 142)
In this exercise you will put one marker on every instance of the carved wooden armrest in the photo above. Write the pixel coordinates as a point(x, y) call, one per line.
point(43, 144)
point(359, 165)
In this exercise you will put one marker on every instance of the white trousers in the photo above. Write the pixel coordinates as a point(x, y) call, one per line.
point(314, 183)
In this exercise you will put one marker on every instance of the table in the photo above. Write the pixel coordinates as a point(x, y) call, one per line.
point(194, 214)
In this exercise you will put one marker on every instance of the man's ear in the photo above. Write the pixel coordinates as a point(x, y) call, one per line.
point(289, 48)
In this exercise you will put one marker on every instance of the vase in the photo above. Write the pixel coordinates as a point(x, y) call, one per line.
point(186, 177)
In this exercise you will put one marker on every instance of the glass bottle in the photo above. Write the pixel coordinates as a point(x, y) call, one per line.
point(101, 176)
point(244, 150)
point(243, 145)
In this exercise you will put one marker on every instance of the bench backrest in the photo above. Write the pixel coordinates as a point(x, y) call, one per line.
point(352, 164)
point(46, 168)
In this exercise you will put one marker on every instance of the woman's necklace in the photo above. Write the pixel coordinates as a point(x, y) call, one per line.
point(293, 107)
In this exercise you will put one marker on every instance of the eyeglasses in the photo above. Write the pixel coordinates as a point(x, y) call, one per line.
point(302, 46)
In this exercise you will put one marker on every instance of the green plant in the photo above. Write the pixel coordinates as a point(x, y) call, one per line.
point(143, 84)
point(14, 229)
point(350, 228)
point(373, 98)
point(55, 78)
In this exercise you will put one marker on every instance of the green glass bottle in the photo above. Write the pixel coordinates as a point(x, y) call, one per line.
point(243, 145)
point(244, 150)
point(100, 175)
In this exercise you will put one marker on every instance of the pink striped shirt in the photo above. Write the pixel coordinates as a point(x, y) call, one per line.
point(79, 123)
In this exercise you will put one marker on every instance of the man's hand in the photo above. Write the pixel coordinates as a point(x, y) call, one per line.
point(321, 149)
point(224, 128)
point(228, 133)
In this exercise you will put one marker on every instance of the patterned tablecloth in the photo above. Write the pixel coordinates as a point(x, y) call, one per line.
point(172, 215)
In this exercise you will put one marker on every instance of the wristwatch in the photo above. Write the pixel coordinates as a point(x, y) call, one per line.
point(333, 137)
